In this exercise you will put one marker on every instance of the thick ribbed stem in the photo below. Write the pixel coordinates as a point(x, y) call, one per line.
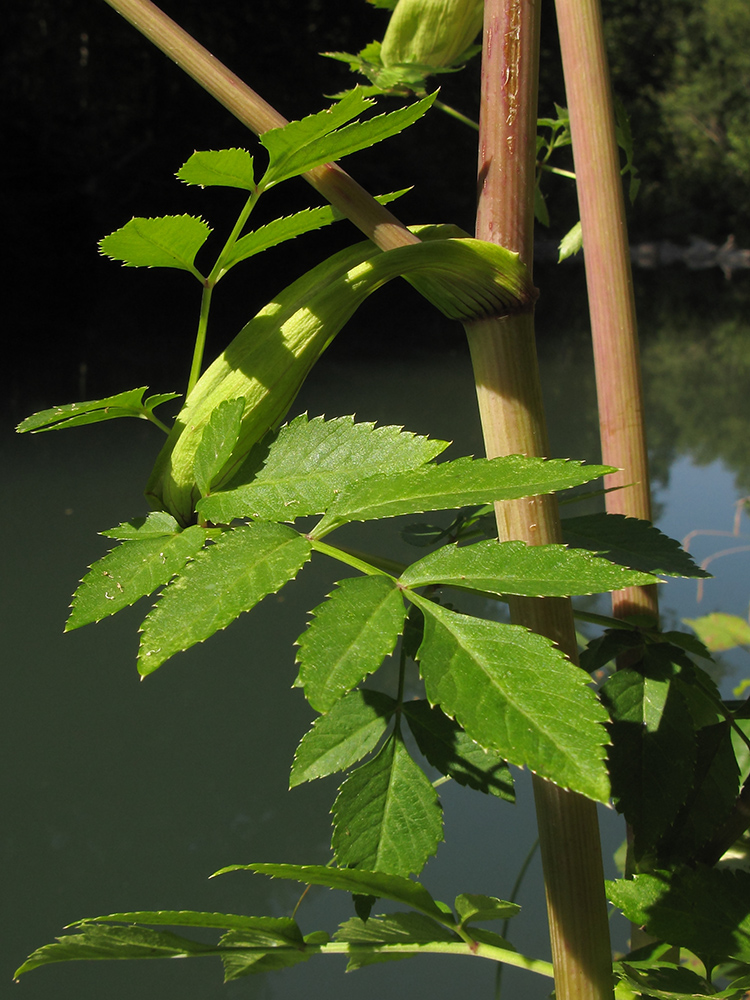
point(608, 271)
point(510, 402)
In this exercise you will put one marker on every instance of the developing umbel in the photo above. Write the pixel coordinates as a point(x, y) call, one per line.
point(431, 32)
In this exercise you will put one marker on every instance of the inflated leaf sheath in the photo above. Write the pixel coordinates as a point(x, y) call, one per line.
point(272, 355)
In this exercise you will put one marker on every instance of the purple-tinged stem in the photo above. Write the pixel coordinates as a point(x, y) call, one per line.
point(510, 402)
point(608, 271)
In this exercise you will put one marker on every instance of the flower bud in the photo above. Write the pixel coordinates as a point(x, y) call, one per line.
point(431, 32)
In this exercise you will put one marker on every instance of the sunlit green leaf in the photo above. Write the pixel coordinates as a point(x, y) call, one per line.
point(571, 243)
point(231, 576)
point(516, 568)
point(381, 884)
point(130, 571)
point(461, 483)
point(169, 241)
point(325, 136)
point(449, 749)
point(339, 739)
point(387, 816)
point(124, 404)
point(217, 442)
point(349, 636)
point(515, 692)
point(630, 542)
point(301, 468)
point(219, 167)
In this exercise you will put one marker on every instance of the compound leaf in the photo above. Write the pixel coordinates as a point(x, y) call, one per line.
point(130, 571)
point(713, 796)
point(325, 136)
point(349, 636)
point(242, 567)
point(92, 411)
point(460, 483)
point(339, 739)
point(387, 816)
point(169, 241)
point(516, 568)
point(571, 243)
point(514, 692)
point(300, 469)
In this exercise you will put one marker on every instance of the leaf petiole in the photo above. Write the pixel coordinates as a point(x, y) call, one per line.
point(200, 338)
point(221, 266)
point(346, 557)
point(218, 271)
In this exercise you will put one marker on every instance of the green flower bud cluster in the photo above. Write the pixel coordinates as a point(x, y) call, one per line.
point(434, 33)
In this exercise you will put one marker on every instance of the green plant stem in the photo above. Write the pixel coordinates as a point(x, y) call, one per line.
point(155, 420)
point(341, 190)
point(219, 269)
point(346, 557)
point(473, 949)
point(209, 283)
point(557, 170)
point(511, 899)
point(608, 271)
point(458, 115)
point(200, 338)
point(609, 280)
point(510, 402)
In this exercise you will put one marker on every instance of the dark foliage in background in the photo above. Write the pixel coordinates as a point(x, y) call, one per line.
point(95, 123)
